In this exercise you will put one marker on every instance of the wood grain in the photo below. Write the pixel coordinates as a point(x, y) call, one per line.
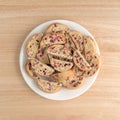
point(18, 18)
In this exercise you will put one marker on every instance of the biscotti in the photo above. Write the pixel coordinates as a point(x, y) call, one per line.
point(77, 38)
point(89, 48)
point(94, 64)
point(60, 65)
point(57, 27)
point(42, 55)
point(52, 39)
point(33, 45)
point(49, 86)
point(80, 61)
point(68, 79)
point(60, 50)
point(40, 68)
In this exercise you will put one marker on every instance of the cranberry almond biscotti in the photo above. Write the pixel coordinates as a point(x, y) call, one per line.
point(89, 48)
point(77, 38)
point(94, 64)
point(69, 42)
point(68, 79)
point(80, 61)
point(52, 39)
point(43, 56)
point(38, 68)
point(57, 27)
point(49, 86)
point(60, 50)
point(60, 65)
point(33, 45)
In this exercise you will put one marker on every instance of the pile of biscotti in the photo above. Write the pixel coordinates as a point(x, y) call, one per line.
point(65, 56)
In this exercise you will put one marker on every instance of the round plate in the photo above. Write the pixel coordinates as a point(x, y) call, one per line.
point(63, 94)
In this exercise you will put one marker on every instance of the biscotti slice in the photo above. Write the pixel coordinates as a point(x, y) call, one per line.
point(42, 55)
point(89, 48)
point(74, 83)
point(52, 39)
point(30, 71)
point(77, 38)
point(60, 51)
point(56, 27)
point(80, 61)
point(62, 76)
point(60, 65)
point(68, 79)
point(49, 86)
point(40, 68)
point(94, 64)
point(69, 42)
point(32, 45)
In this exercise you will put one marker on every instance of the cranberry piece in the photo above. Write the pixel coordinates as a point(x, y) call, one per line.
point(45, 38)
point(77, 61)
point(92, 65)
point(72, 81)
point(65, 64)
point(87, 52)
point(30, 66)
point(96, 65)
point(88, 72)
point(55, 65)
point(75, 38)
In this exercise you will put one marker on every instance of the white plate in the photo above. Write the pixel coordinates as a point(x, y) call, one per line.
point(63, 94)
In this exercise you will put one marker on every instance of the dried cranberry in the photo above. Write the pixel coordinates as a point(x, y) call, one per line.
point(75, 38)
point(45, 38)
point(87, 52)
point(30, 66)
point(65, 64)
point(72, 81)
point(88, 72)
point(92, 65)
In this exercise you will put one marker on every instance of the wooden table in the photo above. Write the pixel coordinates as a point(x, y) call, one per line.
point(18, 18)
